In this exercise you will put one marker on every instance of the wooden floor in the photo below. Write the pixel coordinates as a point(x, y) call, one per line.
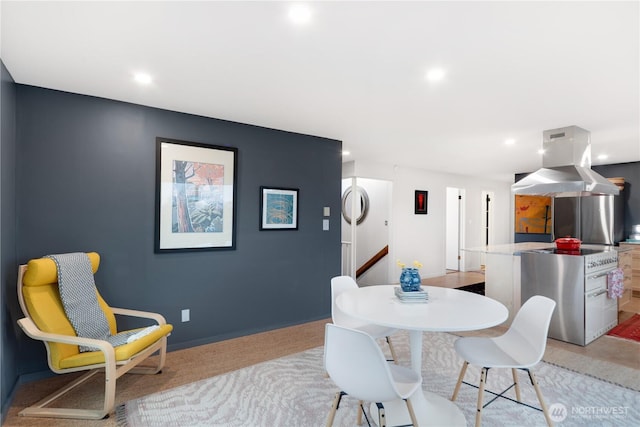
point(456, 279)
point(185, 366)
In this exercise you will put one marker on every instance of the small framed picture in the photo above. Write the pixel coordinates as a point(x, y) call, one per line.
point(420, 202)
point(278, 208)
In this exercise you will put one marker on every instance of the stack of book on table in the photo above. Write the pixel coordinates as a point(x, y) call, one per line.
point(411, 296)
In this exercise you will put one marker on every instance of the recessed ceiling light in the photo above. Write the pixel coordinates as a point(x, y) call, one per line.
point(603, 157)
point(435, 74)
point(541, 151)
point(346, 153)
point(510, 141)
point(300, 14)
point(143, 78)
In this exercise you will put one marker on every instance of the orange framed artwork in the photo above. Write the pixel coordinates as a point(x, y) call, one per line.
point(533, 214)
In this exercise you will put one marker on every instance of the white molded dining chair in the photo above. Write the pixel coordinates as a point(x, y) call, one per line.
point(340, 284)
point(521, 347)
point(355, 363)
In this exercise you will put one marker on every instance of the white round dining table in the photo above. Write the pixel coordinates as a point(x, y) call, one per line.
point(447, 310)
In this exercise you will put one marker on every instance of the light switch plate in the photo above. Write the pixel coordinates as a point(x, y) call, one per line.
point(326, 211)
point(325, 224)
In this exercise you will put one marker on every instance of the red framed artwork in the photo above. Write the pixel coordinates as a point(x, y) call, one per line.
point(420, 202)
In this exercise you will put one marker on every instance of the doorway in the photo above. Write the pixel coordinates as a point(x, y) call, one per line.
point(487, 237)
point(454, 229)
point(365, 240)
point(487, 218)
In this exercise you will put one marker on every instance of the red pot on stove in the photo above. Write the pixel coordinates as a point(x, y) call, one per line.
point(568, 244)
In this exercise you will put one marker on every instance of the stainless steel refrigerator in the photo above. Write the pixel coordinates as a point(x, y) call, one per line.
point(592, 219)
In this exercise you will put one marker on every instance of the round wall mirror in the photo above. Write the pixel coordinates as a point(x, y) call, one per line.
point(346, 204)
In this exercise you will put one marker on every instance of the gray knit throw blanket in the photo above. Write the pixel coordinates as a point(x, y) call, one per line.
point(80, 301)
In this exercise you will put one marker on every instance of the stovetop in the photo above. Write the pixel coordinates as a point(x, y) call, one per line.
point(594, 259)
point(580, 252)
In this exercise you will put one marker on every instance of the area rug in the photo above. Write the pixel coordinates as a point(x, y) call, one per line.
point(629, 329)
point(294, 391)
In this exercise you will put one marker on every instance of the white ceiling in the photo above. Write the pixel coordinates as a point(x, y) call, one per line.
point(357, 72)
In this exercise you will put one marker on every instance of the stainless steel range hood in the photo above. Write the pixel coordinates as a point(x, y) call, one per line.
point(566, 167)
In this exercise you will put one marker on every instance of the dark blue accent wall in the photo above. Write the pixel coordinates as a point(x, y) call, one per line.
point(8, 266)
point(85, 181)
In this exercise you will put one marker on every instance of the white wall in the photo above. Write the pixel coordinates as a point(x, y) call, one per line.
point(422, 237)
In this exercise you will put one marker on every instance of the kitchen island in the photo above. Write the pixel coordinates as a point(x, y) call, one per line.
point(503, 270)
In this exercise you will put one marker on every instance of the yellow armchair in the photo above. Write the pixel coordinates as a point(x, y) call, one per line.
point(45, 320)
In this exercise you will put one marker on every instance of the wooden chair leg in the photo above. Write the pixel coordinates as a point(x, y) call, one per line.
point(334, 408)
point(40, 409)
point(412, 414)
point(483, 380)
point(463, 371)
point(393, 351)
point(545, 411)
point(360, 410)
point(514, 373)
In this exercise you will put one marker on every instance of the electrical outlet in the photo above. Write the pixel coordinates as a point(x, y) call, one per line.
point(185, 315)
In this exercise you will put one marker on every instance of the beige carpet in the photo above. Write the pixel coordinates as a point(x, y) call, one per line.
point(581, 359)
point(608, 358)
point(607, 371)
point(293, 391)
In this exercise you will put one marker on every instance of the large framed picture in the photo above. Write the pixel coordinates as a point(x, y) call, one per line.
point(278, 208)
point(532, 214)
point(195, 196)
